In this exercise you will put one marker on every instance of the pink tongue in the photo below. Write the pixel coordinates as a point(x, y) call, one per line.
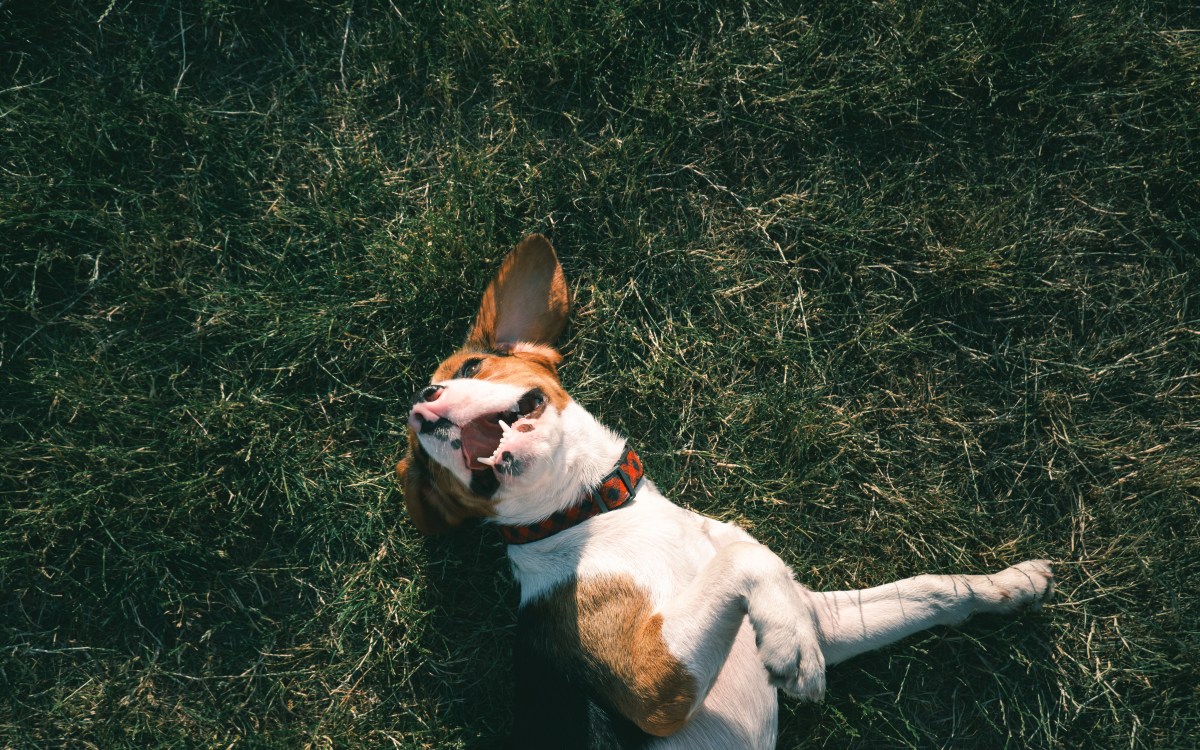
point(480, 438)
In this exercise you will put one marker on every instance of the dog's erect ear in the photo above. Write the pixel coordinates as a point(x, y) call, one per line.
point(420, 497)
point(527, 301)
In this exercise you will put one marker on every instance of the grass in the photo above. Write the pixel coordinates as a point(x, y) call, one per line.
point(901, 287)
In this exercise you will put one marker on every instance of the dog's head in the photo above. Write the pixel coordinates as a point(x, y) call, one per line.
point(489, 424)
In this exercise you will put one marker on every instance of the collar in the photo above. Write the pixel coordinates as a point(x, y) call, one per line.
point(615, 490)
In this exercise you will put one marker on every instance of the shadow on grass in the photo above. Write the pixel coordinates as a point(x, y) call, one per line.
point(472, 601)
point(973, 685)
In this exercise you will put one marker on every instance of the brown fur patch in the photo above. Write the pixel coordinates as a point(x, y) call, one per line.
point(434, 497)
point(605, 628)
point(528, 366)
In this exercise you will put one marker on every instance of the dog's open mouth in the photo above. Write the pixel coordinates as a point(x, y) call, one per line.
point(481, 437)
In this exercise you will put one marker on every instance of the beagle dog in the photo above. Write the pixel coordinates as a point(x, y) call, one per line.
point(640, 623)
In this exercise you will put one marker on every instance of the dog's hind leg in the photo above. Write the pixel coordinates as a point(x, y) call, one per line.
point(853, 622)
point(745, 579)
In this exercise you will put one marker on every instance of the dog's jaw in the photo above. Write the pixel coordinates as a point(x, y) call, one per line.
point(584, 452)
point(491, 442)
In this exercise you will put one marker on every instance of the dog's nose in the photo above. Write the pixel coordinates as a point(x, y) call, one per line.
point(425, 421)
point(424, 415)
point(428, 393)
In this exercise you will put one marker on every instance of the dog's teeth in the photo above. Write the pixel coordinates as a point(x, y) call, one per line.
point(487, 461)
point(505, 425)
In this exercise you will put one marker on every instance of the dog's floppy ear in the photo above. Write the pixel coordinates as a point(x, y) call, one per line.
point(435, 501)
point(420, 498)
point(527, 301)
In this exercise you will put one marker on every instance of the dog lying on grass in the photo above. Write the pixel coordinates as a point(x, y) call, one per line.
point(641, 624)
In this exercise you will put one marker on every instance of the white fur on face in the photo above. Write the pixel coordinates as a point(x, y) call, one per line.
point(572, 462)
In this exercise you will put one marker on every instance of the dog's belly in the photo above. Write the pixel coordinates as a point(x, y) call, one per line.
point(741, 710)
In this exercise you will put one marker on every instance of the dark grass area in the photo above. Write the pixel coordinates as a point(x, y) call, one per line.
point(901, 287)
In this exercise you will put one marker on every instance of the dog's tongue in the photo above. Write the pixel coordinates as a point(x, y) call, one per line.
point(480, 438)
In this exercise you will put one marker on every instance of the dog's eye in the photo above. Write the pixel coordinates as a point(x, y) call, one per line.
point(469, 368)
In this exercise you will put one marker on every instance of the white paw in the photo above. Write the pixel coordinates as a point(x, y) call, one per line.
point(788, 644)
point(784, 622)
point(1026, 584)
point(794, 661)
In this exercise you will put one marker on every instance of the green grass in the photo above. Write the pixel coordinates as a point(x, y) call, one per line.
point(901, 287)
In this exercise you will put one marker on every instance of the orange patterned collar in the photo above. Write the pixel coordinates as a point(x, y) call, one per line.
point(615, 490)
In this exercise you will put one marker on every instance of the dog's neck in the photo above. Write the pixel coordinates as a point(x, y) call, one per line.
point(578, 463)
point(616, 490)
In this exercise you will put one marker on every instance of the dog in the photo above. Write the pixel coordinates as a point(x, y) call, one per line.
point(640, 623)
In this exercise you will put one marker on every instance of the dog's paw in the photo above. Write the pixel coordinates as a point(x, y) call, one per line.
point(1026, 585)
point(794, 661)
point(785, 626)
point(790, 650)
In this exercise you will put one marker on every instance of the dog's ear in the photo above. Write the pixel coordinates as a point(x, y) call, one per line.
point(527, 301)
point(435, 504)
point(421, 499)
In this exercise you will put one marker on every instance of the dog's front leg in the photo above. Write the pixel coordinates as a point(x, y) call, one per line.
point(745, 579)
point(852, 622)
